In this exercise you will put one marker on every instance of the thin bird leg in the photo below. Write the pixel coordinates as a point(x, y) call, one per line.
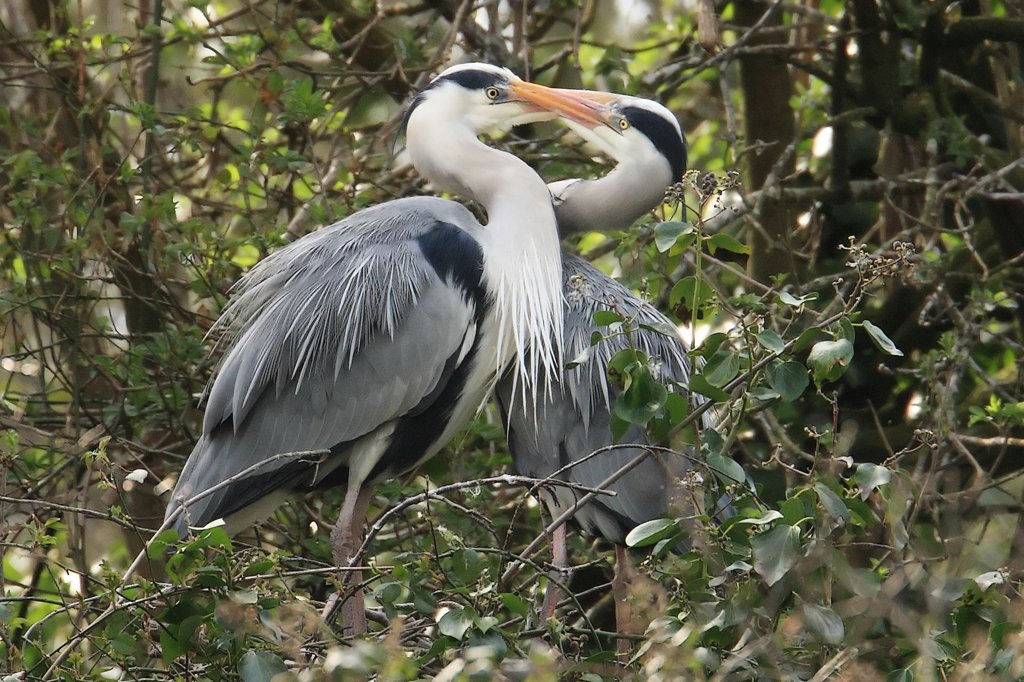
point(345, 541)
point(559, 561)
point(620, 592)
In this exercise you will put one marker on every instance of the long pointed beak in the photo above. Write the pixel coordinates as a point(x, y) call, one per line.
point(585, 107)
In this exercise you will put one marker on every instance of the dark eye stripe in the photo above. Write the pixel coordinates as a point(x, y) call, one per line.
point(471, 79)
point(663, 136)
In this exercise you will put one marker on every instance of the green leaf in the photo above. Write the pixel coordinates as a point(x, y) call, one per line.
point(775, 552)
point(515, 603)
point(211, 537)
point(603, 318)
point(701, 385)
point(159, 544)
point(797, 302)
point(832, 503)
point(869, 476)
point(806, 338)
point(788, 379)
point(712, 343)
point(662, 328)
point(650, 532)
point(727, 469)
point(764, 519)
point(828, 360)
point(691, 292)
point(667, 234)
point(170, 647)
point(722, 368)
point(454, 623)
point(771, 341)
point(642, 399)
point(846, 329)
point(883, 342)
point(726, 242)
point(618, 427)
point(260, 666)
point(824, 623)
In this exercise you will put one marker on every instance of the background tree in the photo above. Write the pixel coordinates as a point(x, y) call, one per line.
point(849, 249)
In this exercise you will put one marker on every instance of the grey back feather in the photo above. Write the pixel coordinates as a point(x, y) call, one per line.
point(575, 421)
point(329, 339)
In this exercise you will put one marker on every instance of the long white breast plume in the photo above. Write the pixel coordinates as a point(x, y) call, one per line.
point(530, 311)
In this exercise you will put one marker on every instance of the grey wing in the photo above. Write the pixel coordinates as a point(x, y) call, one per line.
point(338, 340)
point(575, 421)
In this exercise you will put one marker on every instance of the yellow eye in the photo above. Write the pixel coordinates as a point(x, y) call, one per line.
point(623, 124)
point(492, 93)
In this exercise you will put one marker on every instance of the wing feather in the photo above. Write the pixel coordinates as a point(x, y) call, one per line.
point(333, 338)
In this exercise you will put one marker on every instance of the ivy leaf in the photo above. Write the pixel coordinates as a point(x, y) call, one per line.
point(795, 301)
point(775, 552)
point(771, 341)
point(788, 379)
point(883, 342)
point(701, 385)
point(722, 368)
point(828, 360)
point(824, 623)
point(663, 328)
point(727, 469)
point(726, 242)
point(832, 503)
point(650, 532)
point(668, 233)
point(869, 476)
point(260, 666)
point(642, 400)
point(603, 318)
point(454, 623)
point(691, 292)
point(581, 359)
point(764, 519)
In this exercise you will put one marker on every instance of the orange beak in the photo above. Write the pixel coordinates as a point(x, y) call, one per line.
point(586, 107)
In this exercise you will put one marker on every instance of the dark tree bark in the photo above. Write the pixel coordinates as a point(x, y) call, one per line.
point(769, 127)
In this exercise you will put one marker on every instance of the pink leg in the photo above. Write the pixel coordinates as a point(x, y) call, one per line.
point(345, 540)
point(560, 560)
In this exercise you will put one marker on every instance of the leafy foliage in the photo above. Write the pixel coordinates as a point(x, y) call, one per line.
point(853, 297)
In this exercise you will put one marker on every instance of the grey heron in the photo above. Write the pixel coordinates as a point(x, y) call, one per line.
point(572, 420)
point(368, 344)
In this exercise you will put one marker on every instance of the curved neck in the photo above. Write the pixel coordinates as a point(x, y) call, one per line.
point(522, 256)
point(612, 202)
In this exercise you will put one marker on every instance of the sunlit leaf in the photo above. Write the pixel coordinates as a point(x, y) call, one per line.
point(650, 532)
point(883, 342)
point(828, 360)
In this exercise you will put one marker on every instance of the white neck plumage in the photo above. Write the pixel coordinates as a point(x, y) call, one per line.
point(522, 269)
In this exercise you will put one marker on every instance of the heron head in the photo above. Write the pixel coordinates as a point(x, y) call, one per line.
point(488, 97)
point(630, 129)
